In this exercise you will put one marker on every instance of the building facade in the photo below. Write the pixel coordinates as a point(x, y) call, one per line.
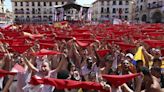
point(155, 12)
point(35, 11)
point(2, 12)
point(109, 9)
point(149, 11)
point(140, 11)
point(1, 6)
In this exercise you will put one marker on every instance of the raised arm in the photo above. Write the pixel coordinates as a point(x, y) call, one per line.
point(29, 64)
point(61, 63)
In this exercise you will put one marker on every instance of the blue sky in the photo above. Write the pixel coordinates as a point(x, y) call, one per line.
point(9, 7)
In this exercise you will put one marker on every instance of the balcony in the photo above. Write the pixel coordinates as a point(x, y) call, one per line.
point(27, 12)
point(18, 12)
point(155, 5)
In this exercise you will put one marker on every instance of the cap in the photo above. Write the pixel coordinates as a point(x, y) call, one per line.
point(130, 55)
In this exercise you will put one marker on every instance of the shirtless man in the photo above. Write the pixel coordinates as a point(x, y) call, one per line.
point(151, 83)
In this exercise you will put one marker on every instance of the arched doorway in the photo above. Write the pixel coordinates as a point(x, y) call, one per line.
point(157, 17)
point(144, 18)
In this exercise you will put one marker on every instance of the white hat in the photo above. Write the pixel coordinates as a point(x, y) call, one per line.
point(130, 55)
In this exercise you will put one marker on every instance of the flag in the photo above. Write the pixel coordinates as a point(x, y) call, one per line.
point(139, 55)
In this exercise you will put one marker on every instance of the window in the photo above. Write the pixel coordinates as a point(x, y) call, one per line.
point(50, 18)
point(120, 2)
point(21, 4)
point(33, 3)
point(141, 0)
point(141, 8)
point(33, 10)
point(102, 3)
point(102, 10)
point(27, 11)
point(127, 2)
point(120, 17)
point(50, 10)
point(108, 3)
point(114, 2)
point(21, 9)
point(45, 10)
point(27, 3)
point(120, 10)
point(114, 10)
point(16, 10)
point(107, 9)
point(44, 3)
point(38, 3)
point(28, 18)
point(50, 3)
point(126, 10)
point(62, 2)
point(39, 11)
point(126, 17)
point(56, 3)
point(15, 3)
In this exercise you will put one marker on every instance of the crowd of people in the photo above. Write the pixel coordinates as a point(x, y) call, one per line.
point(82, 57)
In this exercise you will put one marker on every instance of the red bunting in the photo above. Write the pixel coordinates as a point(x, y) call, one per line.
point(46, 41)
point(63, 38)
point(102, 53)
point(46, 45)
point(4, 73)
point(155, 43)
point(84, 43)
point(82, 36)
point(66, 84)
point(9, 41)
point(118, 80)
point(155, 34)
point(21, 48)
point(80, 30)
point(125, 46)
point(43, 52)
point(2, 54)
point(113, 40)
